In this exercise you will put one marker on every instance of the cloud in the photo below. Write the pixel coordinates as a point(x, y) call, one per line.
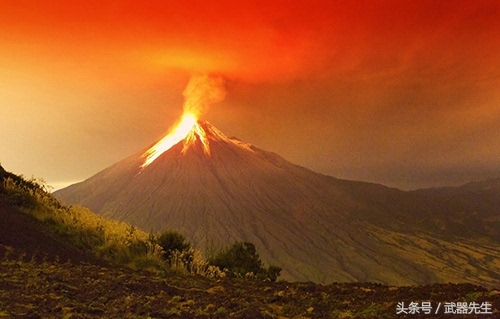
point(378, 79)
point(256, 40)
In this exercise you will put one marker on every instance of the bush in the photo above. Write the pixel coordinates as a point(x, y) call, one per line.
point(242, 260)
point(176, 248)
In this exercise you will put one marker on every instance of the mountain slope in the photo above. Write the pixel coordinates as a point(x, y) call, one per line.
point(27, 235)
point(314, 226)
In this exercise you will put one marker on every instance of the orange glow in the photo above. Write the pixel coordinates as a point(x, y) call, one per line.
point(197, 132)
point(188, 130)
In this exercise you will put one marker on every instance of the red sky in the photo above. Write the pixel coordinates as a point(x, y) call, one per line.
point(403, 93)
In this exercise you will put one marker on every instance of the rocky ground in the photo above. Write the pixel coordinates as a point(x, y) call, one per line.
point(34, 288)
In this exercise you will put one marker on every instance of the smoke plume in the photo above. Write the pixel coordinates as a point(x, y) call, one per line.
point(202, 91)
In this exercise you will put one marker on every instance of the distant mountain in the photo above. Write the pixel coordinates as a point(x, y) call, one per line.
point(217, 190)
point(469, 211)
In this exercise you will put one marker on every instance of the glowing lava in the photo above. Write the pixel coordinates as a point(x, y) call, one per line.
point(197, 132)
point(187, 129)
point(201, 91)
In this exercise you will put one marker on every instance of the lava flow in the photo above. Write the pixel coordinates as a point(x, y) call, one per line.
point(187, 129)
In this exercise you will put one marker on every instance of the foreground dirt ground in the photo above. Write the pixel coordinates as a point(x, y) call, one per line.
point(34, 288)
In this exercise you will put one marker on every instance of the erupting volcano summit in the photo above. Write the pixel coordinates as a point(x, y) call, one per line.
point(217, 190)
point(189, 130)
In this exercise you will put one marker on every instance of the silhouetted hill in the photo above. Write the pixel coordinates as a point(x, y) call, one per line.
point(27, 235)
point(24, 234)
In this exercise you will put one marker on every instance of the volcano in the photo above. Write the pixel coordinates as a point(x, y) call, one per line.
point(217, 190)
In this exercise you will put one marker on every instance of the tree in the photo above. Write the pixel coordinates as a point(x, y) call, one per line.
point(175, 244)
point(242, 259)
point(273, 272)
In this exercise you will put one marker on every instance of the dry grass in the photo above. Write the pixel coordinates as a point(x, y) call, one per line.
point(111, 240)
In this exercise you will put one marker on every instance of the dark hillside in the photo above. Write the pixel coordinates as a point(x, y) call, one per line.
point(27, 235)
point(35, 225)
point(471, 211)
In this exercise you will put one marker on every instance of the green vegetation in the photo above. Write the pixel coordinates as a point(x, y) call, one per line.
point(172, 241)
point(123, 244)
point(242, 260)
point(114, 241)
point(178, 252)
